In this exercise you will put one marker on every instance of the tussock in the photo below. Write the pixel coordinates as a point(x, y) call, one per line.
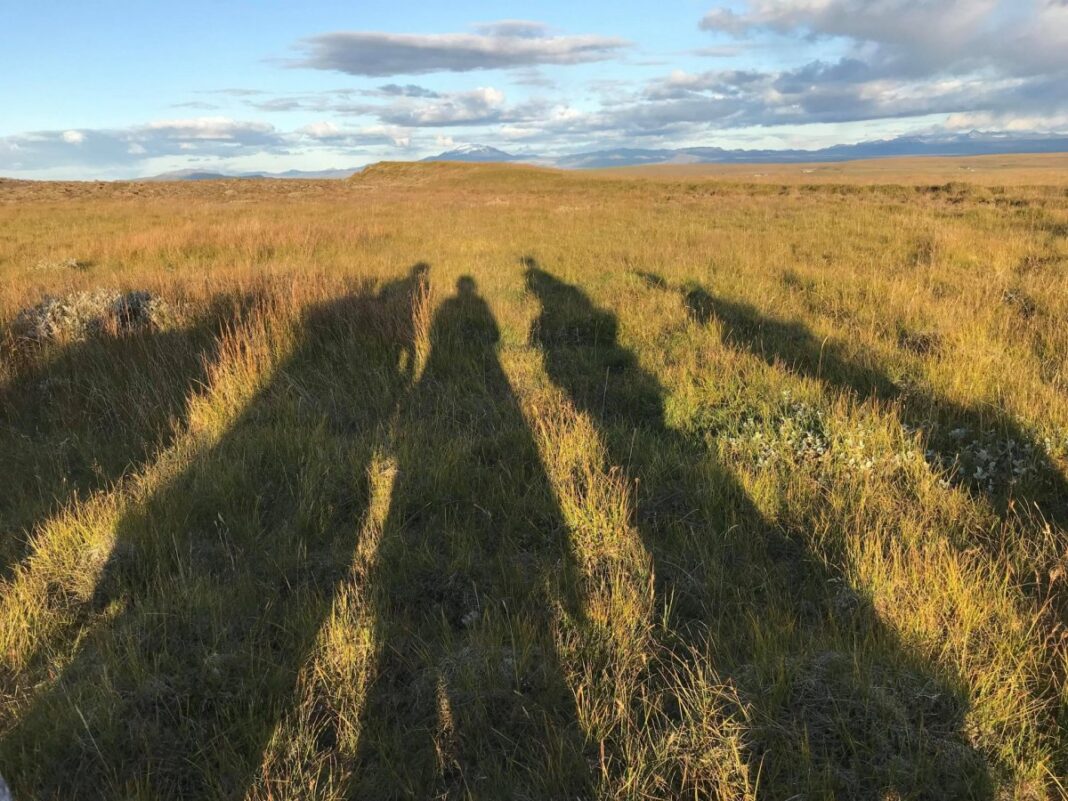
point(80, 315)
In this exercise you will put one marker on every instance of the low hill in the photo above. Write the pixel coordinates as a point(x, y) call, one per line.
point(415, 173)
point(1049, 169)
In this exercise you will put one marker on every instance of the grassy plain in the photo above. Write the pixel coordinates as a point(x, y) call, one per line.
point(1014, 170)
point(496, 482)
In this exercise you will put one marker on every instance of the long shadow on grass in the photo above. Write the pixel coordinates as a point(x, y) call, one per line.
point(982, 449)
point(468, 698)
point(838, 708)
point(218, 583)
point(76, 420)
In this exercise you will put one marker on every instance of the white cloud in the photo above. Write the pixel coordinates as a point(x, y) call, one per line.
point(971, 121)
point(480, 105)
point(209, 129)
point(330, 133)
point(320, 130)
point(397, 136)
point(73, 137)
point(485, 105)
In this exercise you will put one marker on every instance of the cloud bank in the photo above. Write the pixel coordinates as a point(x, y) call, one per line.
point(992, 58)
point(195, 139)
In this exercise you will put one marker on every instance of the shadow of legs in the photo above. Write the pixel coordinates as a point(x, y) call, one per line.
point(468, 695)
point(818, 672)
point(219, 582)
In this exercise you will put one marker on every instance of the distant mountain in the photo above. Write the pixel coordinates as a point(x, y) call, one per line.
point(477, 153)
point(188, 175)
point(205, 175)
point(975, 143)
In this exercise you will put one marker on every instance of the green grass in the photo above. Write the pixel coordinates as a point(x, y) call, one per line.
point(487, 483)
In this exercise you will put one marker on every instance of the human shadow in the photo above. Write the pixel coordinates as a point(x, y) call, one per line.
point(837, 706)
point(77, 420)
point(981, 449)
point(220, 580)
point(468, 696)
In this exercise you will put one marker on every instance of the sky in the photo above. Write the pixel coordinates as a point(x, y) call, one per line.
point(124, 88)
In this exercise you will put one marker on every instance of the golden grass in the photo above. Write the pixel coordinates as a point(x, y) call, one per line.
point(483, 481)
point(1036, 169)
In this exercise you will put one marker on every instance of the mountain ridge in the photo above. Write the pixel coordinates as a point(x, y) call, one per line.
point(215, 175)
point(972, 143)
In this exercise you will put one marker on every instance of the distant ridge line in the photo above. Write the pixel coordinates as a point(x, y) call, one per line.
point(974, 143)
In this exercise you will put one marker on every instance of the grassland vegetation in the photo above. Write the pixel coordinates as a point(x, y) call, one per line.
point(481, 481)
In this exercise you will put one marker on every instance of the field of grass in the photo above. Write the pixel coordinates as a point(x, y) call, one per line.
point(1012, 169)
point(493, 482)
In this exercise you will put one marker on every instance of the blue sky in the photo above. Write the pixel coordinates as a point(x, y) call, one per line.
point(123, 89)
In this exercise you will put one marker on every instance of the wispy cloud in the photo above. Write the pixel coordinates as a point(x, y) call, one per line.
point(197, 105)
point(407, 90)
